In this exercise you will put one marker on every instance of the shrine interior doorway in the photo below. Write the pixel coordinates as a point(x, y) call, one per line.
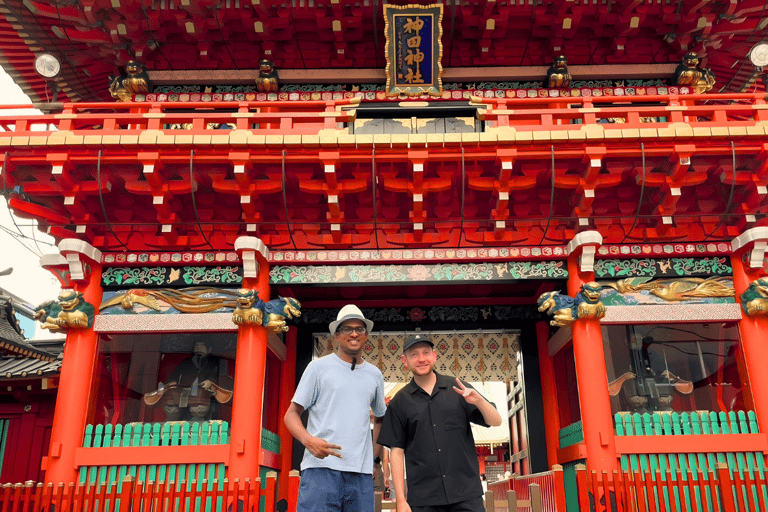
point(489, 359)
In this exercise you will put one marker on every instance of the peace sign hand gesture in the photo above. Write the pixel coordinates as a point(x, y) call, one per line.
point(470, 395)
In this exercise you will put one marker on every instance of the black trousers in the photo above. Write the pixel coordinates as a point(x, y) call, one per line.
point(470, 505)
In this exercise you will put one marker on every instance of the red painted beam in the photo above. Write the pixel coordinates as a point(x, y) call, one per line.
point(692, 444)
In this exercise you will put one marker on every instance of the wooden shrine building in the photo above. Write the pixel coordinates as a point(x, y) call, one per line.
point(570, 197)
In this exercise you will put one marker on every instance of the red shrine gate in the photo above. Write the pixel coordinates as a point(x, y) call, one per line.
point(158, 200)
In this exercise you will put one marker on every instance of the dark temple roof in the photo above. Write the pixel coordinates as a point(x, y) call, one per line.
point(11, 339)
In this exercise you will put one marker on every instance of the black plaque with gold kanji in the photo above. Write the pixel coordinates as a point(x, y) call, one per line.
point(414, 49)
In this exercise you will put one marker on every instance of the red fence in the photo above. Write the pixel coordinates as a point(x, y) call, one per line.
point(214, 496)
point(550, 483)
point(309, 117)
point(715, 491)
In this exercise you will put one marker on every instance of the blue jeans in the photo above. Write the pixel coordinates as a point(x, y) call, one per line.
point(328, 490)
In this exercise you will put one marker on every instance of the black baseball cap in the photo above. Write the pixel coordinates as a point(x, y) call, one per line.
point(416, 338)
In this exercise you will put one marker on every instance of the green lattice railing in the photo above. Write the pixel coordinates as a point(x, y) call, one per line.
point(693, 466)
point(177, 433)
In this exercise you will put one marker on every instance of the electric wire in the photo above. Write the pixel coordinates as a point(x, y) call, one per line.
point(551, 196)
point(7, 194)
point(285, 203)
point(373, 187)
point(194, 203)
point(640, 200)
point(101, 201)
point(463, 179)
point(727, 210)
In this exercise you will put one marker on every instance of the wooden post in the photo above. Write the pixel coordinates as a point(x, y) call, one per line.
point(591, 373)
point(287, 389)
point(270, 491)
point(581, 486)
point(78, 367)
point(753, 329)
point(559, 487)
point(548, 393)
point(490, 502)
point(250, 368)
point(293, 490)
point(726, 487)
point(534, 491)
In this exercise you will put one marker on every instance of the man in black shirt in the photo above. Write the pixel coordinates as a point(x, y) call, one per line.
point(427, 426)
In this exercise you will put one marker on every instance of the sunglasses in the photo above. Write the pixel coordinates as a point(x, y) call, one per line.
point(348, 329)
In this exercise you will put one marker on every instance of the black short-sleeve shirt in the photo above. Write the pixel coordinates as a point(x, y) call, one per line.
point(434, 431)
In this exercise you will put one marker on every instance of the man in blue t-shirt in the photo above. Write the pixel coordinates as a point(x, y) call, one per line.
point(339, 391)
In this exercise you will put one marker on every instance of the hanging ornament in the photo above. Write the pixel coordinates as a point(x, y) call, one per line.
point(481, 366)
point(456, 366)
point(381, 353)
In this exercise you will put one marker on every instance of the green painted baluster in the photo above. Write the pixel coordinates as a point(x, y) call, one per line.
point(639, 426)
point(646, 426)
point(667, 463)
point(144, 440)
point(225, 432)
point(706, 429)
point(183, 471)
point(223, 439)
point(687, 420)
point(729, 457)
point(759, 462)
point(741, 458)
point(213, 439)
point(136, 441)
point(154, 440)
point(714, 425)
point(196, 470)
point(749, 457)
point(106, 471)
point(618, 419)
point(106, 442)
point(702, 474)
point(174, 441)
point(123, 470)
point(87, 440)
point(95, 473)
point(113, 470)
point(117, 435)
point(680, 421)
point(165, 439)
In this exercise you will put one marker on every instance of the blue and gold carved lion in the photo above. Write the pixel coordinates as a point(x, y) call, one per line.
point(565, 310)
point(754, 300)
point(272, 315)
point(70, 311)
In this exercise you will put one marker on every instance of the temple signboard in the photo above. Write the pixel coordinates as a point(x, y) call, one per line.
point(414, 49)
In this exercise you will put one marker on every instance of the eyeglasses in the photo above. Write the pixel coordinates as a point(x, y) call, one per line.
point(347, 329)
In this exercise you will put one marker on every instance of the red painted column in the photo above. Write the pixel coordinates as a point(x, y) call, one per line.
point(287, 388)
point(250, 369)
point(753, 329)
point(548, 394)
point(591, 373)
point(77, 369)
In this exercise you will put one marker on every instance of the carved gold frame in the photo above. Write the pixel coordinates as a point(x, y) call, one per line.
point(435, 11)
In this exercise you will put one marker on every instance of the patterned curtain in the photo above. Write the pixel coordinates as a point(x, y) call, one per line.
point(470, 355)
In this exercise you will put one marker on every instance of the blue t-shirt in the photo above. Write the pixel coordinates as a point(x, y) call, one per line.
point(339, 401)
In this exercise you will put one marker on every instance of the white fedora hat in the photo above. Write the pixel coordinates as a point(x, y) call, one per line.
point(349, 312)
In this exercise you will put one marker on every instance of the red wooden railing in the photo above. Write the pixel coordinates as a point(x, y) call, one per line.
point(309, 117)
point(214, 496)
point(550, 484)
point(636, 491)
